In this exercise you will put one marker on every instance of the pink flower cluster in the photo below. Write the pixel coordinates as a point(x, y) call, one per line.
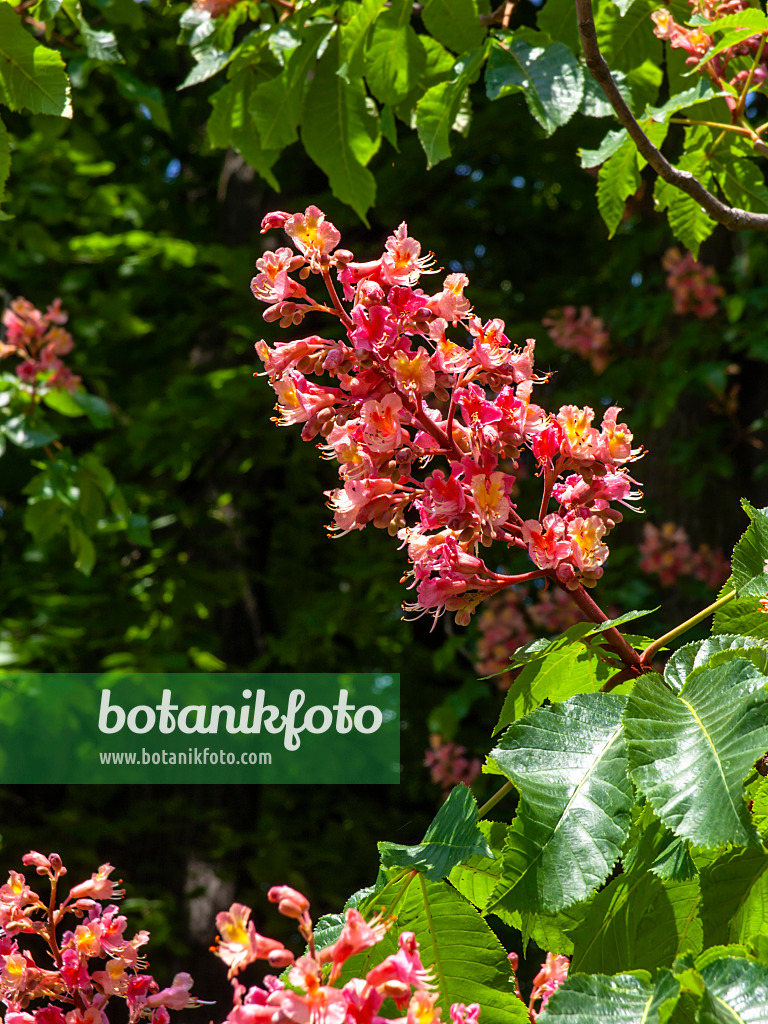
point(582, 332)
point(553, 973)
point(448, 763)
point(399, 393)
point(697, 43)
point(691, 284)
point(89, 959)
point(40, 341)
point(310, 994)
point(666, 552)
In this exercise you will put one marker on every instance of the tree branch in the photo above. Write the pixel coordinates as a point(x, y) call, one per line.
point(730, 217)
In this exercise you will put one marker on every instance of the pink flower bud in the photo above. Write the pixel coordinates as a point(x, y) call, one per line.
point(290, 901)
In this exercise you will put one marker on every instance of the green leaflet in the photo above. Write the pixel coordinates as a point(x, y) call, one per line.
point(638, 922)
point(558, 20)
point(736, 991)
point(740, 179)
point(437, 110)
point(548, 74)
point(5, 163)
point(698, 654)
point(562, 673)
point(276, 105)
point(689, 752)
point(686, 218)
point(340, 134)
point(454, 23)
point(627, 41)
point(32, 77)
point(469, 962)
point(749, 574)
point(395, 58)
point(354, 35)
point(618, 179)
point(231, 124)
point(734, 892)
point(569, 764)
point(139, 93)
point(452, 837)
point(624, 999)
point(476, 877)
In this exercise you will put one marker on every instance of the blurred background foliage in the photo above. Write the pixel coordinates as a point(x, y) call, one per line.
point(150, 238)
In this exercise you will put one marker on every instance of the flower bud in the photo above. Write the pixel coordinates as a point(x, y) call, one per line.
point(280, 958)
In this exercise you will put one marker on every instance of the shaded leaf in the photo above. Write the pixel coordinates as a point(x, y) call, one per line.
point(569, 764)
point(395, 57)
point(619, 178)
point(734, 892)
point(437, 110)
point(689, 223)
point(689, 752)
point(452, 837)
point(455, 23)
point(624, 999)
point(627, 41)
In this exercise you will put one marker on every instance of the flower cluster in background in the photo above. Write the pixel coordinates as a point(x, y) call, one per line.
point(402, 393)
point(692, 284)
point(582, 332)
point(667, 553)
point(448, 763)
point(40, 341)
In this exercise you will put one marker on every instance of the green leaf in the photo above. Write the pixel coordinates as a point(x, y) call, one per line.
point(61, 401)
point(562, 673)
point(736, 992)
point(638, 922)
point(452, 837)
point(689, 752)
point(149, 96)
point(137, 530)
point(734, 893)
point(612, 142)
point(689, 223)
point(749, 573)
point(702, 92)
point(437, 110)
point(354, 36)
point(455, 23)
point(627, 41)
point(624, 999)
point(741, 180)
point(476, 877)
point(95, 408)
point(5, 162)
point(549, 76)
point(32, 76)
point(210, 63)
point(231, 124)
point(618, 179)
point(652, 847)
point(752, 18)
point(340, 134)
point(470, 964)
point(27, 433)
point(83, 550)
point(276, 105)
point(569, 764)
point(558, 20)
point(698, 654)
point(395, 58)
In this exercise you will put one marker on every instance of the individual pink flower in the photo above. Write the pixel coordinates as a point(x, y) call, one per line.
point(312, 233)
point(461, 1014)
point(551, 976)
point(240, 943)
point(547, 544)
point(356, 935)
point(99, 887)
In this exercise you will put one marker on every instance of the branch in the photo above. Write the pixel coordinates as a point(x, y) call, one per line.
point(730, 217)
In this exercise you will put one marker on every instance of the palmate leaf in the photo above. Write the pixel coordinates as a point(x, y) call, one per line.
point(689, 752)
point(452, 837)
point(638, 921)
point(625, 999)
point(548, 75)
point(32, 76)
point(340, 134)
point(568, 762)
point(734, 892)
point(469, 963)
